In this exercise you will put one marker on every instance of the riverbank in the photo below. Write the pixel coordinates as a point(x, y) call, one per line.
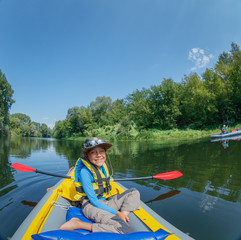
point(155, 134)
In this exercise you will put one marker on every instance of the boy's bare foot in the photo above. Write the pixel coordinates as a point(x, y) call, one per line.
point(75, 223)
point(72, 224)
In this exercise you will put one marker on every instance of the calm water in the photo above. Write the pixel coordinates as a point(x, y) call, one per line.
point(205, 202)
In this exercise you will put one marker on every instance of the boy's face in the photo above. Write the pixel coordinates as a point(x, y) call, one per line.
point(97, 156)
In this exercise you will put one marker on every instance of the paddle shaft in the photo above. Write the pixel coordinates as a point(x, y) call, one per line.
point(162, 176)
point(121, 179)
point(53, 174)
point(133, 179)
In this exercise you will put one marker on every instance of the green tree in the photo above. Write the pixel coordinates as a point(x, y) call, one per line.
point(87, 117)
point(196, 102)
point(15, 123)
point(235, 81)
point(6, 101)
point(139, 108)
point(99, 109)
point(215, 85)
point(35, 129)
point(76, 124)
point(20, 124)
point(61, 129)
point(229, 69)
point(79, 120)
point(24, 119)
point(25, 130)
point(165, 104)
point(45, 130)
point(117, 111)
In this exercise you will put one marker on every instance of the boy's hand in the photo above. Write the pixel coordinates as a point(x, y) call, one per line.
point(123, 216)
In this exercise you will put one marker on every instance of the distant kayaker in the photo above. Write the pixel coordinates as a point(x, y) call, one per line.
point(224, 144)
point(224, 128)
point(92, 181)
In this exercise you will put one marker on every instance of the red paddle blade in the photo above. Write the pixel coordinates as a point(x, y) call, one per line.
point(168, 175)
point(22, 167)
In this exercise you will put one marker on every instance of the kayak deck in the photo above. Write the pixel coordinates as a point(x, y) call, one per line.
point(50, 214)
point(226, 135)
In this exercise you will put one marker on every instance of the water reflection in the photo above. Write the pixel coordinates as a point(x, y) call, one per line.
point(225, 142)
point(208, 203)
point(28, 203)
point(6, 173)
point(70, 149)
point(206, 168)
point(210, 186)
point(164, 196)
point(23, 147)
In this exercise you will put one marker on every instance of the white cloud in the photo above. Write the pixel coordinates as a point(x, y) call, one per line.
point(199, 58)
point(48, 121)
point(50, 125)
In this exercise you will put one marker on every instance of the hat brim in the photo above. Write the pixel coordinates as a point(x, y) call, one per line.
point(105, 145)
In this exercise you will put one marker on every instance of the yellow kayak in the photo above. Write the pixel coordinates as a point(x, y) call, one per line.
point(50, 214)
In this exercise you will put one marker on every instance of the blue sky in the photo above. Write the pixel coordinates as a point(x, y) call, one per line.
point(57, 54)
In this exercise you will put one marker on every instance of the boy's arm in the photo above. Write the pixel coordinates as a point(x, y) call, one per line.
point(86, 179)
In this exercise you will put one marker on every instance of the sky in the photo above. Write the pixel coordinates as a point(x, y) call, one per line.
point(58, 54)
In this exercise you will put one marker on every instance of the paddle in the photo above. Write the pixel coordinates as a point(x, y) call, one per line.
point(163, 176)
point(24, 168)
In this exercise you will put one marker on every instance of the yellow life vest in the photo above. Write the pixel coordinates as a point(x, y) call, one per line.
point(101, 183)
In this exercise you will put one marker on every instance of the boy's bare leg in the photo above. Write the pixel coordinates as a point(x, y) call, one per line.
point(75, 223)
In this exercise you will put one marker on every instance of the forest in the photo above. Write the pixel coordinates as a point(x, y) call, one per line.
point(18, 123)
point(196, 102)
point(21, 124)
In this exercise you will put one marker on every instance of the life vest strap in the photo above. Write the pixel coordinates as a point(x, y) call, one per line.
point(101, 183)
point(98, 192)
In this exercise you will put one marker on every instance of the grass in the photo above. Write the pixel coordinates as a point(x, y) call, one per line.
point(154, 134)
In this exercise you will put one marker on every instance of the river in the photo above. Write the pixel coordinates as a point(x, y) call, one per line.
point(205, 202)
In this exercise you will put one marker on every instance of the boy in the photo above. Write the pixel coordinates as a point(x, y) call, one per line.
point(92, 184)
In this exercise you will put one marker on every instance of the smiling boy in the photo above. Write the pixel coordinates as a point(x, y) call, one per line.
point(92, 181)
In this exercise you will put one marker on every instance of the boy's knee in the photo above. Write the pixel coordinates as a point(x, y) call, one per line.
point(135, 192)
point(120, 226)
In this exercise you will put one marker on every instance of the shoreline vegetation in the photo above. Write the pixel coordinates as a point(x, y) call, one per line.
point(162, 135)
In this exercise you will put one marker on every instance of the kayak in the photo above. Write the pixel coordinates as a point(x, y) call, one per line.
point(53, 210)
point(235, 137)
point(235, 132)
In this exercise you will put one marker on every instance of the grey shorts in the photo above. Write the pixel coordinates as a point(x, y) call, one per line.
point(108, 222)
